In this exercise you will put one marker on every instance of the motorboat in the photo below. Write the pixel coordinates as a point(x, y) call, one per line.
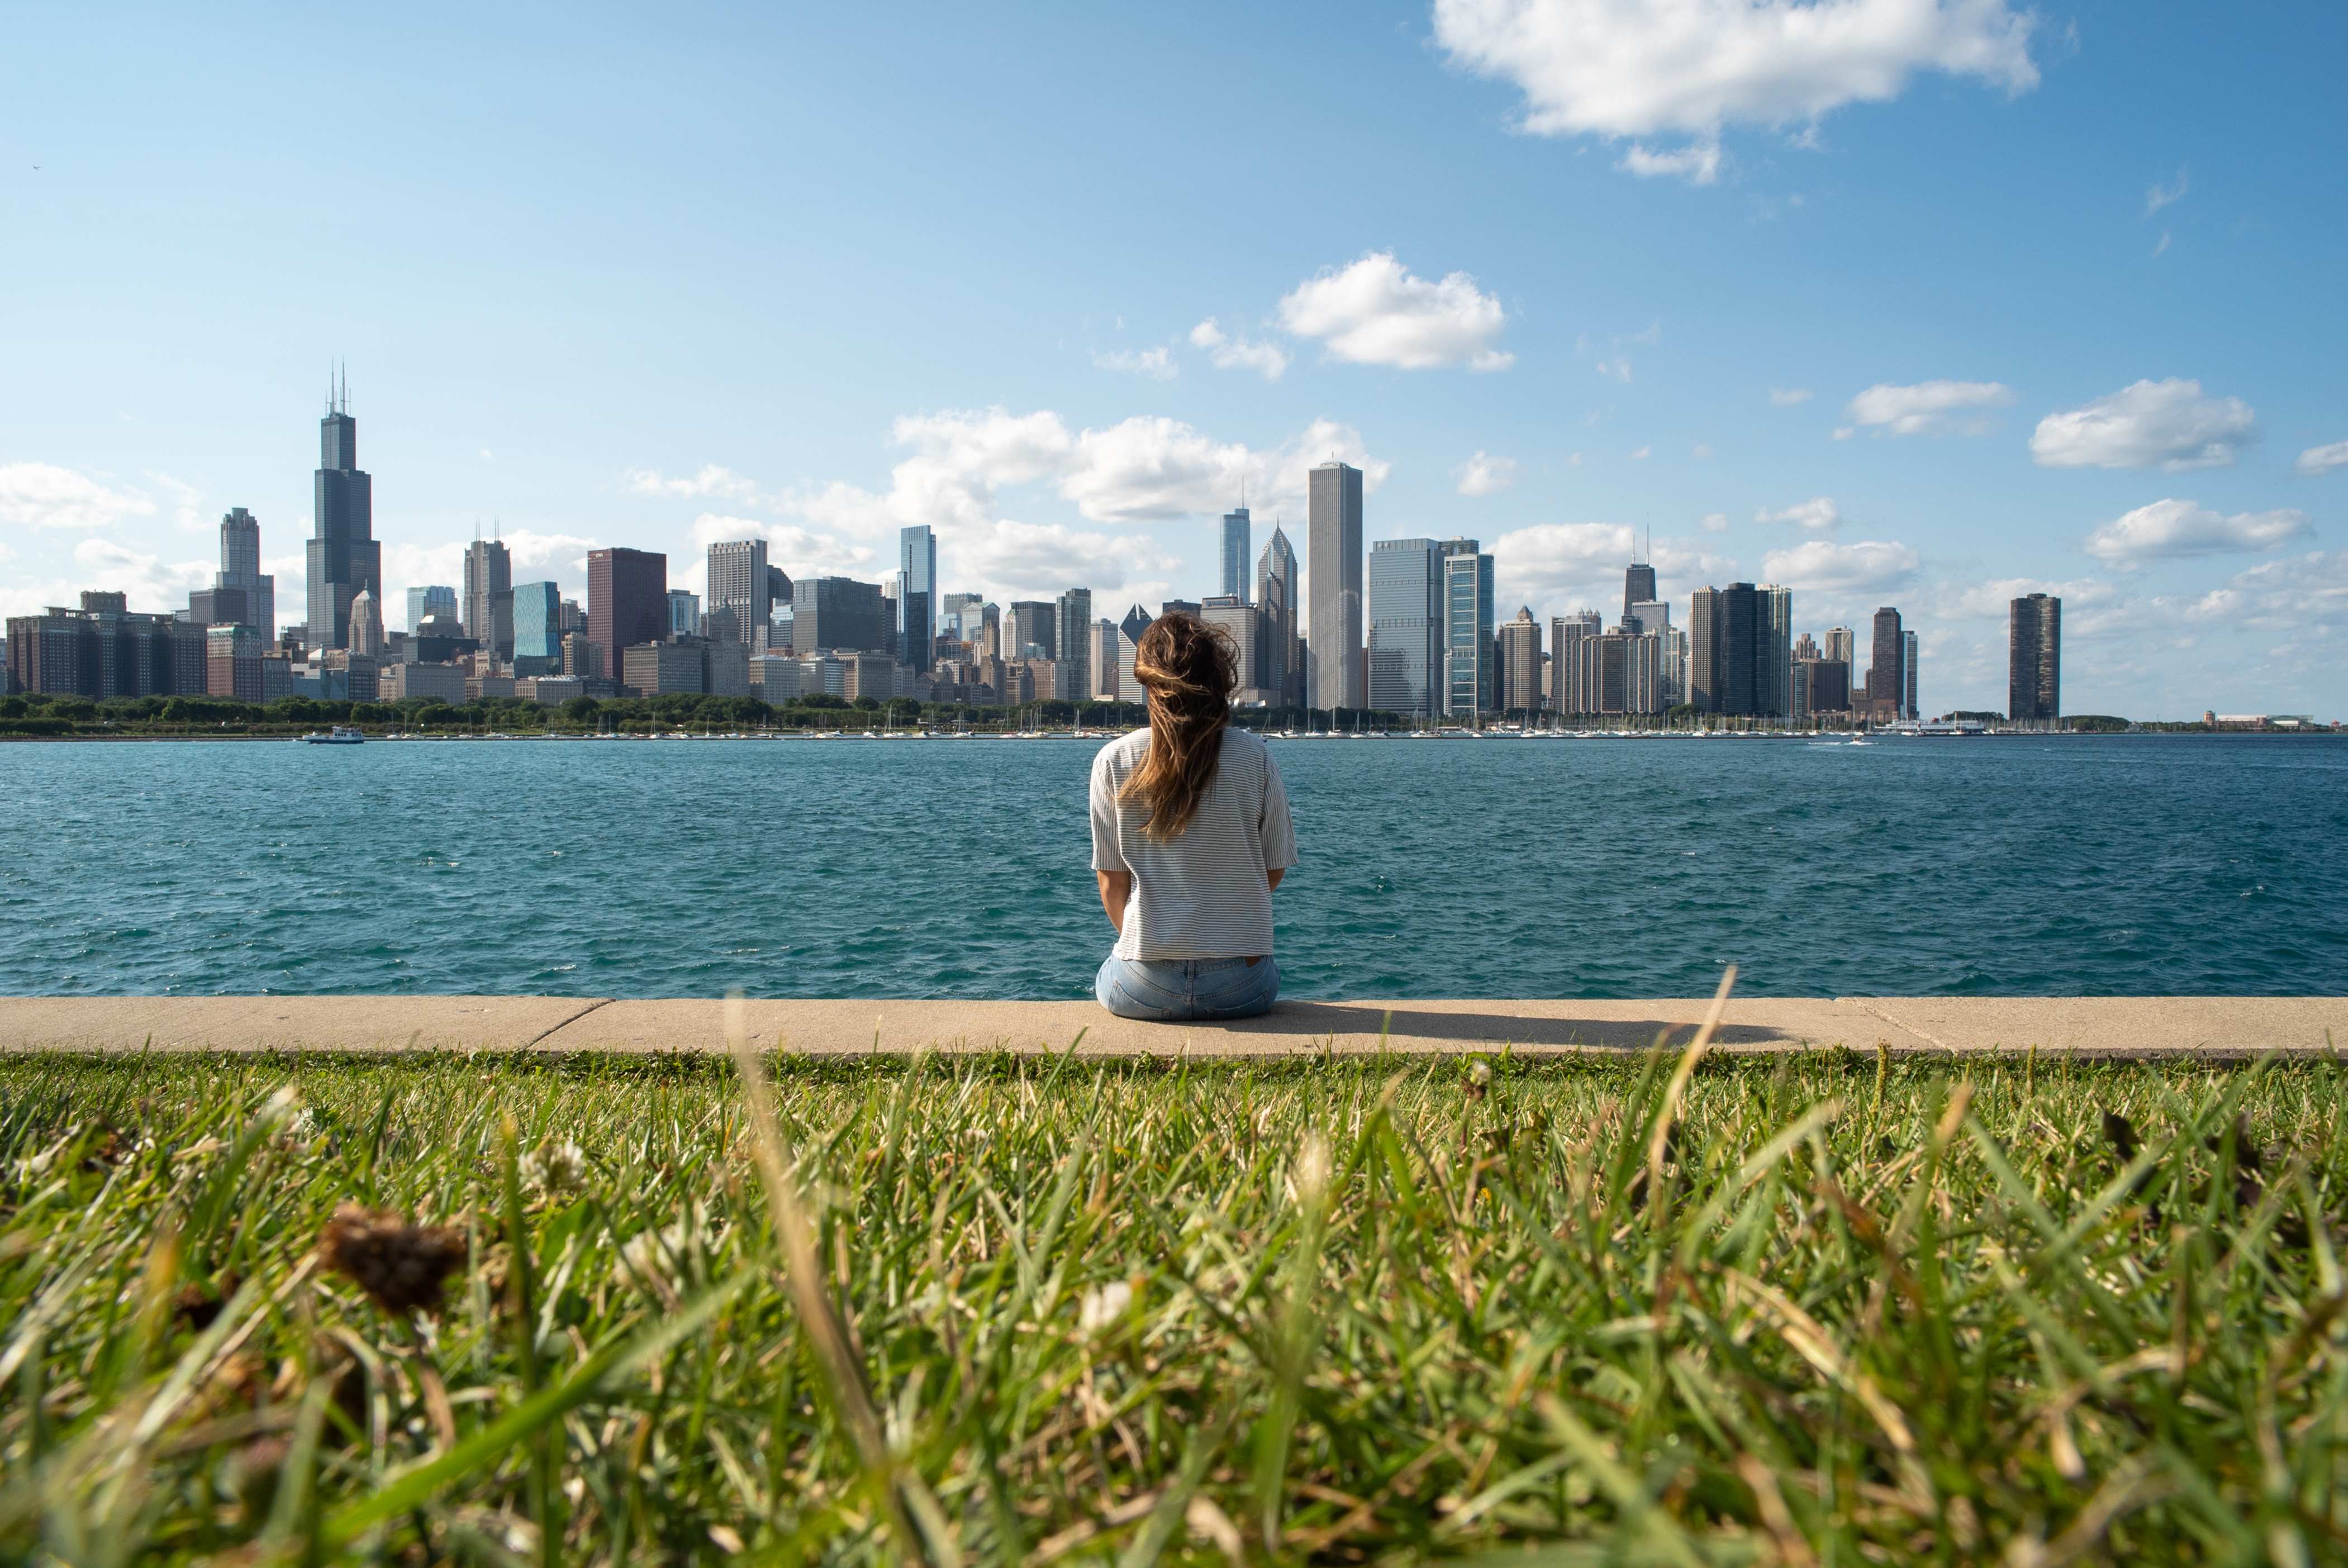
point(340, 736)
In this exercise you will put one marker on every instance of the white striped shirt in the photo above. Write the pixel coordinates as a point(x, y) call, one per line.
point(1204, 895)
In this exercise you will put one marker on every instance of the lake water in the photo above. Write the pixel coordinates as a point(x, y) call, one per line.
point(961, 868)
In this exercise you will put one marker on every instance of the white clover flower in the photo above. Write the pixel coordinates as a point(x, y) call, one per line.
point(554, 1168)
point(1103, 1305)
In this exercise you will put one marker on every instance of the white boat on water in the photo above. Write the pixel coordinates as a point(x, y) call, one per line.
point(340, 736)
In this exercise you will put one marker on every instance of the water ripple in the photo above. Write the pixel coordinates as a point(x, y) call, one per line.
point(2150, 866)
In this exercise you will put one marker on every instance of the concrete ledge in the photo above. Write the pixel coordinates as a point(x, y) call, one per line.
point(2116, 1028)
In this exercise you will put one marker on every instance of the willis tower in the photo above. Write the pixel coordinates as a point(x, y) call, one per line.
point(344, 556)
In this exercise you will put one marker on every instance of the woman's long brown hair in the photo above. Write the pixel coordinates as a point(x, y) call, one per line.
point(1189, 669)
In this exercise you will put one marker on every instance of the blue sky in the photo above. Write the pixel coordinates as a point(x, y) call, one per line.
point(1896, 303)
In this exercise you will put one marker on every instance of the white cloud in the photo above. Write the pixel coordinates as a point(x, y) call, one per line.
point(1994, 599)
point(2161, 196)
point(1715, 522)
point(1145, 468)
point(2170, 529)
point(2321, 459)
point(1698, 163)
point(1788, 397)
point(1229, 353)
point(561, 558)
point(187, 509)
point(152, 585)
point(1485, 475)
point(1817, 515)
point(2168, 423)
point(1822, 566)
point(1702, 450)
point(44, 495)
point(1043, 558)
point(1641, 454)
point(1929, 407)
point(1621, 69)
point(1618, 368)
point(712, 480)
point(1377, 312)
point(1156, 363)
point(1558, 567)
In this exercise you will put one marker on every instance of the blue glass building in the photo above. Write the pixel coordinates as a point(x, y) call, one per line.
point(537, 628)
point(1406, 622)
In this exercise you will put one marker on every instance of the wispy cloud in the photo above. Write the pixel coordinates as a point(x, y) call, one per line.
point(2161, 196)
point(1155, 363)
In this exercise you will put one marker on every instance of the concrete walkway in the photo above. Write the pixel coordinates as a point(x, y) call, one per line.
point(2212, 1027)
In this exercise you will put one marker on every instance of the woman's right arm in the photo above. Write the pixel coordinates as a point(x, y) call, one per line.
point(1116, 888)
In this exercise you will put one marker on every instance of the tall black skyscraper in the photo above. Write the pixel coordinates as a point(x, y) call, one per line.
point(1728, 636)
point(2035, 659)
point(344, 557)
point(1638, 586)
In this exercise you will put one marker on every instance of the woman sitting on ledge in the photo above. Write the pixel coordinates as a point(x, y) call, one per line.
point(1190, 834)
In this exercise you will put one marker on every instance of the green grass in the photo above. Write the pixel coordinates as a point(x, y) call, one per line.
point(1036, 1313)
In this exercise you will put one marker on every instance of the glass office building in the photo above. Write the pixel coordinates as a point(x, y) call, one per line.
point(1406, 622)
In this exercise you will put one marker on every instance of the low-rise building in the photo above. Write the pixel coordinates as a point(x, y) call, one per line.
point(659, 669)
point(775, 678)
point(442, 681)
point(549, 690)
point(232, 661)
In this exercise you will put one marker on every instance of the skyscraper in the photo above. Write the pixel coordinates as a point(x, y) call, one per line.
point(1100, 656)
point(1243, 624)
point(1773, 631)
point(2033, 641)
point(1520, 663)
point(1128, 642)
point(1072, 619)
point(240, 591)
point(1841, 645)
point(627, 602)
point(740, 581)
point(1909, 669)
point(1239, 534)
point(1887, 674)
point(839, 613)
point(430, 599)
point(537, 628)
point(1031, 624)
point(683, 614)
point(1638, 586)
point(917, 595)
point(343, 556)
point(1470, 657)
point(1565, 634)
point(489, 596)
point(1407, 627)
point(1724, 628)
point(1275, 593)
point(367, 624)
point(1332, 655)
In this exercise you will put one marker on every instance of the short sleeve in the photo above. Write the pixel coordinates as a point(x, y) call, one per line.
point(1106, 854)
point(1278, 833)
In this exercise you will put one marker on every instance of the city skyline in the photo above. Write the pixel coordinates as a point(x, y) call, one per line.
point(2021, 303)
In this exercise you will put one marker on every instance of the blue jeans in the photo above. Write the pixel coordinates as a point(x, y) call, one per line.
point(1174, 990)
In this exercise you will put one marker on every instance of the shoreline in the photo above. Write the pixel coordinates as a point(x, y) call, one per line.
point(2107, 1029)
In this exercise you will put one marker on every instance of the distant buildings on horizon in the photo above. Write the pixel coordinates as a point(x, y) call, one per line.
point(1419, 636)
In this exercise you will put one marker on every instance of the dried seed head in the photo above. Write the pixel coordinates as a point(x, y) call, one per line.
point(404, 1267)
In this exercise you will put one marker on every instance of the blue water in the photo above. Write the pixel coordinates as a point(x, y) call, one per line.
point(961, 868)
